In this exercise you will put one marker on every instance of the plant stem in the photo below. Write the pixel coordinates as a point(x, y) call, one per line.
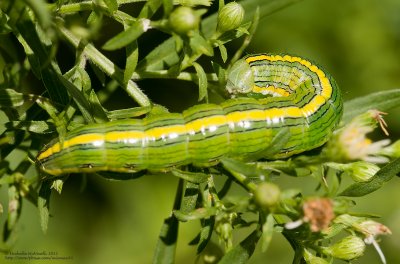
point(164, 74)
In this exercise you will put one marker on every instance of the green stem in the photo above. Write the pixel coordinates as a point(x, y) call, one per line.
point(164, 74)
point(251, 186)
point(107, 66)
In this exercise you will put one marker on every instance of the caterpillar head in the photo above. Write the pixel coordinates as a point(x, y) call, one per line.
point(240, 78)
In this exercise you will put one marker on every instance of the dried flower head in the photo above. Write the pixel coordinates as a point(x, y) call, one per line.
point(318, 212)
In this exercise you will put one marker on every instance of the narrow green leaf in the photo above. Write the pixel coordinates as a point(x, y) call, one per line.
point(193, 2)
point(382, 100)
point(99, 74)
point(40, 127)
point(234, 34)
point(165, 249)
point(381, 177)
point(224, 53)
point(167, 240)
point(132, 54)
point(205, 233)
point(10, 98)
point(14, 210)
point(79, 99)
point(128, 36)
point(247, 39)
point(267, 231)
point(199, 213)
point(168, 6)
point(157, 110)
point(203, 93)
point(41, 11)
point(195, 177)
point(4, 167)
point(108, 67)
point(84, 79)
point(150, 8)
point(200, 45)
point(53, 113)
point(95, 22)
point(38, 48)
point(5, 29)
point(221, 73)
point(128, 113)
point(111, 4)
point(164, 57)
point(14, 207)
point(242, 252)
point(249, 170)
point(12, 140)
point(52, 84)
point(44, 203)
point(190, 197)
point(98, 111)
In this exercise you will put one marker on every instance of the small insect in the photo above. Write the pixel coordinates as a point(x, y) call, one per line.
point(300, 97)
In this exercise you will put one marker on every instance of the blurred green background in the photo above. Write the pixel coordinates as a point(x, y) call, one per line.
point(357, 41)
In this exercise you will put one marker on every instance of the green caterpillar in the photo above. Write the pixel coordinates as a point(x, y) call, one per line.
point(305, 100)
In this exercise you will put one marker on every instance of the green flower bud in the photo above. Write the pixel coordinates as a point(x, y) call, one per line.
point(359, 171)
point(362, 171)
point(372, 228)
point(230, 17)
point(312, 259)
point(348, 248)
point(392, 151)
point(183, 20)
point(267, 195)
point(224, 228)
point(363, 225)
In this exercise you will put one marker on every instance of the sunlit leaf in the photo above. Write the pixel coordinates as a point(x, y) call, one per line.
point(382, 101)
point(202, 81)
point(243, 251)
point(128, 36)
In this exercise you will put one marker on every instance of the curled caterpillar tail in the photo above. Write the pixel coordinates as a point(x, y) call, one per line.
point(299, 97)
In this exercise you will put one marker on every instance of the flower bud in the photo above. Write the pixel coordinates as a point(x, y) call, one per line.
point(224, 228)
point(183, 20)
point(392, 151)
point(267, 195)
point(362, 171)
point(348, 248)
point(230, 17)
point(359, 171)
point(363, 225)
point(312, 259)
point(372, 228)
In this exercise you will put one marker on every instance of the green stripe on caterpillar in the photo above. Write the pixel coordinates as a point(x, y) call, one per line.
point(304, 99)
